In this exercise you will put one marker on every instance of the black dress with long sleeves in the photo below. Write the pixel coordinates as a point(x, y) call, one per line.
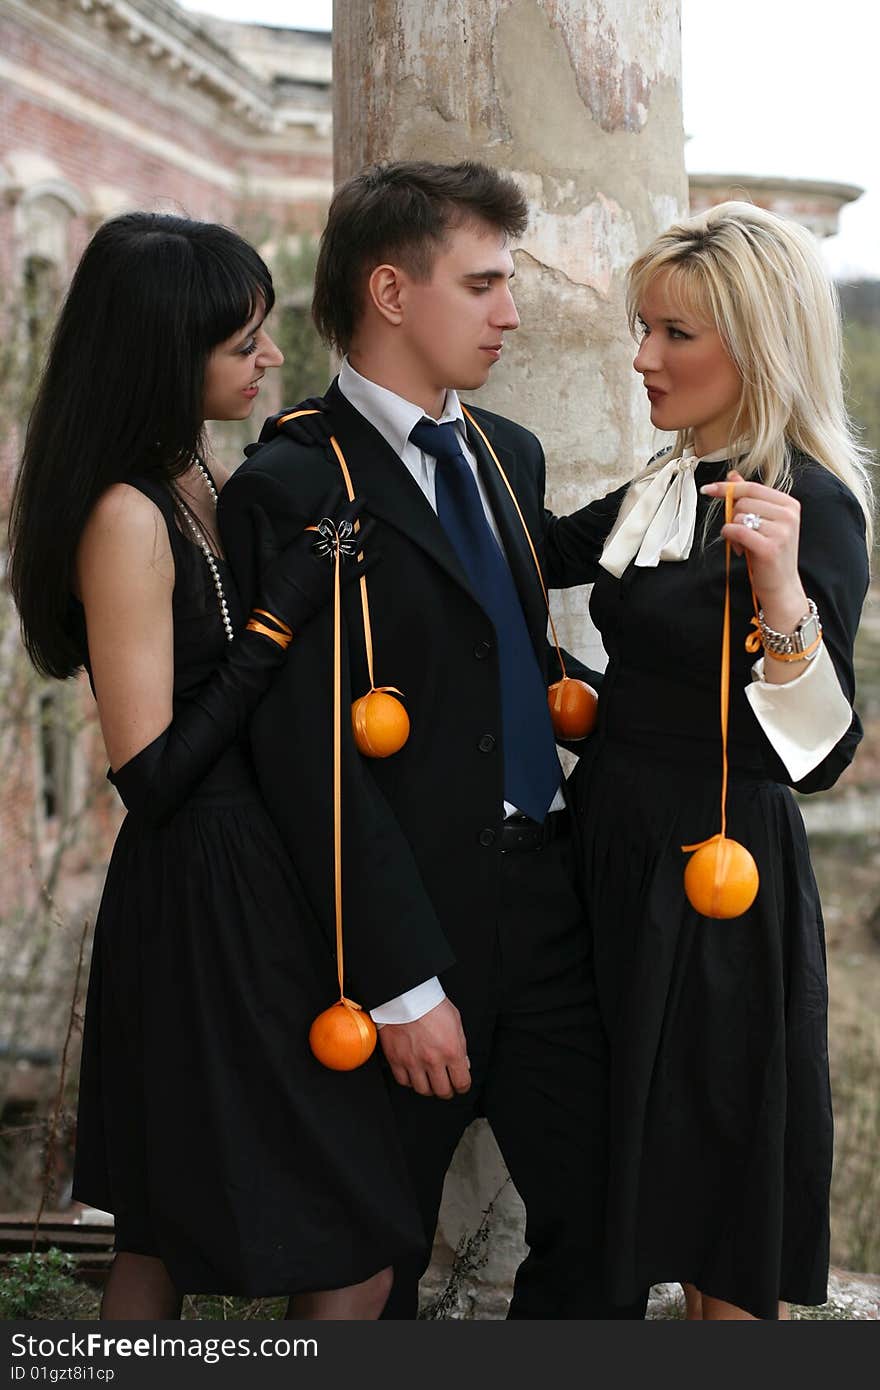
point(721, 1124)
point(205, 1124)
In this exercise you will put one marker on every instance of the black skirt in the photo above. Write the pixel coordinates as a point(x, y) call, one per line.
point(721, 1125)
point(205, 1124)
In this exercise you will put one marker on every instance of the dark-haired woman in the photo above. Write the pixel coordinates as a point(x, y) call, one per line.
point(232, 1161)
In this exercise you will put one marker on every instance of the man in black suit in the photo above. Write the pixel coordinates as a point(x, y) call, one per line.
point(464, 932)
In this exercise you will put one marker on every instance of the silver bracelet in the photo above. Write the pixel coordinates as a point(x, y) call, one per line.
point(806, 633)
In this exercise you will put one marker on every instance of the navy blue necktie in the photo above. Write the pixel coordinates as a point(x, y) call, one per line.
point(531, 766)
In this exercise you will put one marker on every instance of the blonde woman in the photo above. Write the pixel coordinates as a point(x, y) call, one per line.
point(720, 1105)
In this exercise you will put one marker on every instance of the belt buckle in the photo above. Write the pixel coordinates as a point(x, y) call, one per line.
point(526, 833)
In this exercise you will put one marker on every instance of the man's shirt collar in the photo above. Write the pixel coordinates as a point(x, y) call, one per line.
point(390, 414)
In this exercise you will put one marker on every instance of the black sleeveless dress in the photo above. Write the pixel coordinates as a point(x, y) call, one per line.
point(205, 1124)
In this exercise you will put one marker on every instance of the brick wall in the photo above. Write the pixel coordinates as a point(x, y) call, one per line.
point(97, 117)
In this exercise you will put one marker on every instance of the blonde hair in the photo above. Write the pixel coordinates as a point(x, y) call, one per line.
point(758, 279)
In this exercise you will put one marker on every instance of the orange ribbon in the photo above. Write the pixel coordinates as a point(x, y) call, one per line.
point(337, 782)
point(337, 769)
point(725, 675)
point(337, 761)
point(280, 639)
point(365, 602)
point(752, 644)
point(522, 520)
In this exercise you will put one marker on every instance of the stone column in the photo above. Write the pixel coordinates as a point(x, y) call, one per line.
point(581, 101)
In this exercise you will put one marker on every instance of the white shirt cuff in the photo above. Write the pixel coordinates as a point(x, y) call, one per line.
point(416, 1002)
point(804, 718)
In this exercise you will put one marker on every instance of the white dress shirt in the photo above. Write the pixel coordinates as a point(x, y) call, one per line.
point(394, 418)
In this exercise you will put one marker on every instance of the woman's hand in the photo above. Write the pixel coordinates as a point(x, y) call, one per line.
point(297, 582)
point(771, 545)
point(772, 548)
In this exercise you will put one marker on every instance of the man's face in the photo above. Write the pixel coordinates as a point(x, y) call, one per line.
point(454, 323)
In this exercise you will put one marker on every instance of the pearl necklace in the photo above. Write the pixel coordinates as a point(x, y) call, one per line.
point(201, 541)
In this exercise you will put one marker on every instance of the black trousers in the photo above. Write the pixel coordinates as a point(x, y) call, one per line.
point(539, 1072)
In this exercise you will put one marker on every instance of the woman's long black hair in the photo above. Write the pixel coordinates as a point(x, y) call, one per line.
point(121, 395)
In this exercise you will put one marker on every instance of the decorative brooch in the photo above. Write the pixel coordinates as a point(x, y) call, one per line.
point(333, 539)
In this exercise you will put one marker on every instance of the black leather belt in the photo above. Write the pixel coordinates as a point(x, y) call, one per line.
point(519, 832)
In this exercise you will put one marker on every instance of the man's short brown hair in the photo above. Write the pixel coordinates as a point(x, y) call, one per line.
point(401, 213)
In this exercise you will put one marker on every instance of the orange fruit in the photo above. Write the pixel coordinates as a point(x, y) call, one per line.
point(721, 879)
point(380, 724)
point(573, 706)
point(342, 1037)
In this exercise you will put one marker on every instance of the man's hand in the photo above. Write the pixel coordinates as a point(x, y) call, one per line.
point(431, 1054)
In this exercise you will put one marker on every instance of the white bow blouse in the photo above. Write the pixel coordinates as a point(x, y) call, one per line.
point(657, 518)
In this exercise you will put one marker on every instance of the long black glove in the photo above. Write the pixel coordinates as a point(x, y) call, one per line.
point(295, 585)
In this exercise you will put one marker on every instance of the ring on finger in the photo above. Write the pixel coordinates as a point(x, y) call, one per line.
point(751, 520)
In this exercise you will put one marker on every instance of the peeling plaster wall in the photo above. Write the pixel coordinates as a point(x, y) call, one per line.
point(581, 101)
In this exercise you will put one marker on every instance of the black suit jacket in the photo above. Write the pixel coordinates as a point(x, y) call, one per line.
point(420, 845)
